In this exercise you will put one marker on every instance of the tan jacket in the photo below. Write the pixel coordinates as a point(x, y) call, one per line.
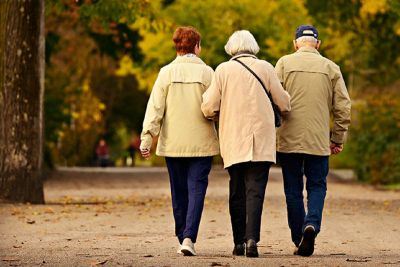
point(246, 120)
point(173, 111)
point(316, 87)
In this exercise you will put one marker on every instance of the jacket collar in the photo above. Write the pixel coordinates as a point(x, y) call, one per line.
point(307, 49)
point(243, 55)
point(183, 59)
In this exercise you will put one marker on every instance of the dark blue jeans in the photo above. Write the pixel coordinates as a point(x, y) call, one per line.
point(315, 168)
point(189, 181)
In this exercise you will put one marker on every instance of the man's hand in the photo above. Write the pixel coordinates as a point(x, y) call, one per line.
point(336, 148)
point(145, 153)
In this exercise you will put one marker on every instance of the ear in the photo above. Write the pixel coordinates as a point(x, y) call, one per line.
point(318, 44)
point(295, 45)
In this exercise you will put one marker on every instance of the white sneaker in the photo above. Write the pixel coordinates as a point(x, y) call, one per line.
point(179, 251)
point(187, 247)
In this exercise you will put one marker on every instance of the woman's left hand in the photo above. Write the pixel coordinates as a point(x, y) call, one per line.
point(145, 153)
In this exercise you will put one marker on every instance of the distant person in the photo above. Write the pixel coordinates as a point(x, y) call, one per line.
point(102, 153)
point(186, 139)
point(134, 145)
point(317, 88)
point(247, 133)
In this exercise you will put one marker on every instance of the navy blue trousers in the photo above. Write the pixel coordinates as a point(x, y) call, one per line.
point(315, 168)
point(189, 181)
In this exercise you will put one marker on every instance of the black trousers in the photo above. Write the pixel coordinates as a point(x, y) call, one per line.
point(247, 184)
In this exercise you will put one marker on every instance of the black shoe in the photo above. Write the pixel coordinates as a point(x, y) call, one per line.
point(238, 250)
point(251, 249)
point(306, 247)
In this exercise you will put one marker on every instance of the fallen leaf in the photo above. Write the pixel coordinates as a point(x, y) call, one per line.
point(30, 221)
point(17, 246)
point(95, 263)
point(49, 211)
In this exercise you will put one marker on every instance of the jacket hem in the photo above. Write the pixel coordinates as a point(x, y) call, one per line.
point(187, 155)
point(229, 164)
point(304, 151)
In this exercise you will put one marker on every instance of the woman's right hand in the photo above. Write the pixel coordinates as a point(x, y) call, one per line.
point(145, 153)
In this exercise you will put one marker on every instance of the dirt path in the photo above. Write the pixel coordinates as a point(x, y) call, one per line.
point(133, 225)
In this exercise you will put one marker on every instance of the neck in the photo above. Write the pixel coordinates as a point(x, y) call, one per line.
point(309, 45)
point(183, 54)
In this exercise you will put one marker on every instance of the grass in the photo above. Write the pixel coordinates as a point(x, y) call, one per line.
point(392, 186)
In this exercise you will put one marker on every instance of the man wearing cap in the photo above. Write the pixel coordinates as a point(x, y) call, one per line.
point(317, 89)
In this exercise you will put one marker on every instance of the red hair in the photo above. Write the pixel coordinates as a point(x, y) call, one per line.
point(186, 39)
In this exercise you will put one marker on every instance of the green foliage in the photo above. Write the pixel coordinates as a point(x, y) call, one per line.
point(362, 35)
point(376, 132)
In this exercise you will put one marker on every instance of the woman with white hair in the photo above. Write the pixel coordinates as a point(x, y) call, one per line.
point(247, 132)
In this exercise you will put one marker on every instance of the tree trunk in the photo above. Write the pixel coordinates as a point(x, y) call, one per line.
point(21, 100)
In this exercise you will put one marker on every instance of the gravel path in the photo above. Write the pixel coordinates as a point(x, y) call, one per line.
point(124, 218)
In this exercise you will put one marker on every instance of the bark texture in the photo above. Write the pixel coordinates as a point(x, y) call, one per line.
point(21, 99)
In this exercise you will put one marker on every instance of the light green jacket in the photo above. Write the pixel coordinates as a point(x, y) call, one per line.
point(173, 111)
point(317, 90)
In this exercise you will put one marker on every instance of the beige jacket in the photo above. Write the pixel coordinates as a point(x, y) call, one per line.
point(316, 87)
point(246, 119)
point(173, 111)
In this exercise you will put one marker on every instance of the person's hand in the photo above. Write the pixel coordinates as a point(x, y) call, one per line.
point(145, 153)
point(336, 148)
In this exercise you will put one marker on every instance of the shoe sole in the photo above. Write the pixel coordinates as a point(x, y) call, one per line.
point(240, 252)
point(251, 255)
point(306, 247)
point(187, 252)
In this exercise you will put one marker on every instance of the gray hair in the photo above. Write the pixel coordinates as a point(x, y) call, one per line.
point(307, 39)
point(241, 42)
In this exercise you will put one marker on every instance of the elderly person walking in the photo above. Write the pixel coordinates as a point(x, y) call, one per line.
point(186, 139)
point(317, 88)
point(247, 133)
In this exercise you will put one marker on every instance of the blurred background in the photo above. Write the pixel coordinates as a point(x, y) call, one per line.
point(103, 56)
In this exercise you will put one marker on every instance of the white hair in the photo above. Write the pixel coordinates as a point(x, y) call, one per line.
point(307, 39)
point(241, 41)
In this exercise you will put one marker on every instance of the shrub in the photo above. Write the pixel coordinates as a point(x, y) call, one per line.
point(375, 139)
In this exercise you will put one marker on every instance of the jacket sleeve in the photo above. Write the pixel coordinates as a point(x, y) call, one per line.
point(341, 107)
point(212, 98)
point(279, 70)
point(154, 113)
point(279, 95)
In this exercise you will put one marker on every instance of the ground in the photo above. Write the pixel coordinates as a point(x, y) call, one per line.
point(123, 217)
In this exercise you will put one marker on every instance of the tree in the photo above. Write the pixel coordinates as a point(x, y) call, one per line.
point(85, 98)
point(21, 99)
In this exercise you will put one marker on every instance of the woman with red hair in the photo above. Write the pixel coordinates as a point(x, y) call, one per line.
point(186, 139)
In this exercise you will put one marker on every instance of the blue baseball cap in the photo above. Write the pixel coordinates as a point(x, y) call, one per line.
point(306, 30)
